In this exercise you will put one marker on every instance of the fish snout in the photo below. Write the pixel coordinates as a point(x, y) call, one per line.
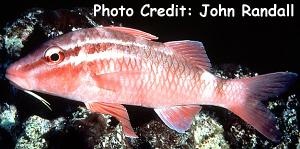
point(17, 78)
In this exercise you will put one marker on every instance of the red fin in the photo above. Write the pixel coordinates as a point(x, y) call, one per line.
point(116, 110)
point(113, 81)
point(178, 118)
point(193, 51)
point(133, 32)
point(260, 88)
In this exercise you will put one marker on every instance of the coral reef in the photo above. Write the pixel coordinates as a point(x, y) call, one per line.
point(19, 32)
point(205, 132)
point(213, 127)
point(34, 128)
point(8, 117)
point(208, 132)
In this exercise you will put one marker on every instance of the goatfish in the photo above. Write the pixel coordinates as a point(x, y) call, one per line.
point(109, 67)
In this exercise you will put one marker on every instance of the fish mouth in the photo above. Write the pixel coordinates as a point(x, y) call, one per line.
point(18, 81)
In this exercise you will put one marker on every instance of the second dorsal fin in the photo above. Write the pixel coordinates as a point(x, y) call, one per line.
point(134, 32)
point(193, 51)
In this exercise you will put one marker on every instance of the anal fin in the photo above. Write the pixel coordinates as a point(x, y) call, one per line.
point(178, 118)
point(116, 110)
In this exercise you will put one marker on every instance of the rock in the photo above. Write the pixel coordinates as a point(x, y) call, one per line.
point(95, 130)
point(34, 128)
point(60, 21)
point(18, 32)
point(205, 132)
point(155, 134)
point(208, 132)
point(8, 117)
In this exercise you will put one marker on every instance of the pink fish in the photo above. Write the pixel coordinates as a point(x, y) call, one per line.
point(108, 67)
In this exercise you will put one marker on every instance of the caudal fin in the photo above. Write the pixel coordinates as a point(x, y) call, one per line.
point(261, 88)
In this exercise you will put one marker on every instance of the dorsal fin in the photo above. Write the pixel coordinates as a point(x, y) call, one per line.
point(134, 32)
point(192, 50)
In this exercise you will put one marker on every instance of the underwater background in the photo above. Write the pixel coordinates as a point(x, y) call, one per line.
point(237, 47)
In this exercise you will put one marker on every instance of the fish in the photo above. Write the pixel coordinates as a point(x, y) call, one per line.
point(109, 67)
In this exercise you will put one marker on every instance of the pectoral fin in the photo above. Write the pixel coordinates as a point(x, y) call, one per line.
point(116, 110)
point(178, 118)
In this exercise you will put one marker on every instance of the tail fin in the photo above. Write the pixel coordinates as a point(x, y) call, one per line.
point(261, 88)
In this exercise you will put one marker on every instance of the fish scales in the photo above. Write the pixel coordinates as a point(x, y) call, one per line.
point(162, 75)
point(161, 81)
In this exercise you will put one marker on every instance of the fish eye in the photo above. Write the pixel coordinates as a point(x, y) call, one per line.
point(54, 55)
